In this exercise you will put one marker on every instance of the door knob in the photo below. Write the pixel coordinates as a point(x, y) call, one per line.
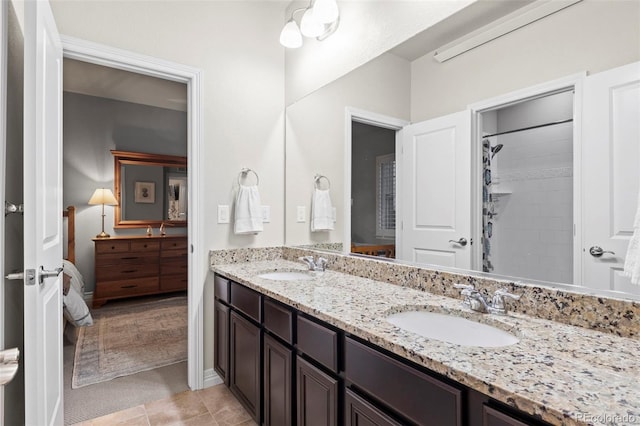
point(462, 241)
point(596, 251)
point(48, 274)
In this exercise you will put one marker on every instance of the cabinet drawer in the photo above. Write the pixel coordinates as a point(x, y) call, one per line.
point(112, 246)
point(318, 342)
point(126, 271)
point(413, 394)
point(279, 320)
point(492, 417)
point(142, 245)
point(127, 287)
point(177, 243)
point(126, 258)
point(358, 412)
point(221, 288)
point(174, 282)
point(246, 300)
point(173, 268)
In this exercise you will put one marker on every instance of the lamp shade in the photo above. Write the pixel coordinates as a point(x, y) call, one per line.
point(309, 25)
point(325, 11)
point(290, 35)
point(103, 196)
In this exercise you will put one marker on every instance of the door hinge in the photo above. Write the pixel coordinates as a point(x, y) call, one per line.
point(191, 248)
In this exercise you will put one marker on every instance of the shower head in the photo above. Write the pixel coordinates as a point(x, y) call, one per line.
point(496, 149)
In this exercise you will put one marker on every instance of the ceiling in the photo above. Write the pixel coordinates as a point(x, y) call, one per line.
point(97, 80)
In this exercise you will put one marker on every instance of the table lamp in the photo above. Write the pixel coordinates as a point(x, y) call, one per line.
point(103, 196)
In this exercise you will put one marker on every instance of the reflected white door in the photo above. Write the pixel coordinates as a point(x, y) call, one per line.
point(436, 187)
point(42, 215)
point(611, 174)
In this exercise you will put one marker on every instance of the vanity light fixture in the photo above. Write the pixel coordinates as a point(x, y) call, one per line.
point(319, 20)
point(103, 196)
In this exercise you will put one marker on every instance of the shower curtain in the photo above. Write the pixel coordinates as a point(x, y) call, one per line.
point(487, 206)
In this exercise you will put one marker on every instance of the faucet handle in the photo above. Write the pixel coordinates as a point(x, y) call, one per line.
point(498, 300)
point(467, 291)
point(321, 264)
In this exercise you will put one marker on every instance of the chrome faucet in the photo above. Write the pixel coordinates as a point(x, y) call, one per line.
point(476, 301)
point(319, 266)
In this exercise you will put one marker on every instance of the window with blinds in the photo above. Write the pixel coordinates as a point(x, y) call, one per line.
point(386, 196)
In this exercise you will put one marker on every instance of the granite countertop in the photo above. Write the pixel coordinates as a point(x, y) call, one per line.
point(566, 375)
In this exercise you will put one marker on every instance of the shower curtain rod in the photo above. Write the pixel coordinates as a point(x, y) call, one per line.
point(529, 128)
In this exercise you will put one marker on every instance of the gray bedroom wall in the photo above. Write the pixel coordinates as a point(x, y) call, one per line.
point(92, 128)
point(368, 142)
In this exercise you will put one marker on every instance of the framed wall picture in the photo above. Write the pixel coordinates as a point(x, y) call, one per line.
point(145, 192)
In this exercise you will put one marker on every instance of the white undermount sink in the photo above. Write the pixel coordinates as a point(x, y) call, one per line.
point(286, 276)
point(452, 329)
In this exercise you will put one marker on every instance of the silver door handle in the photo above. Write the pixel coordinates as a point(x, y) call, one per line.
point(462, 241)
point(48, 274)
point(596, 251)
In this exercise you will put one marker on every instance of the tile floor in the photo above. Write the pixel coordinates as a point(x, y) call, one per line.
point(214, 406)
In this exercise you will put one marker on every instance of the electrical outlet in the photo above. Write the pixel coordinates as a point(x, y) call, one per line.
point(301, 214)
point(266, 214)
point(223, 214)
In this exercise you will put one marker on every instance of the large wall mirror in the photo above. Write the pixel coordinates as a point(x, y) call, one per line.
point(150, 189)
point(340, 128)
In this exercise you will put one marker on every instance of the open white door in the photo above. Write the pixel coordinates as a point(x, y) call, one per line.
point(42, 216)
point(611, 174)
point(436, 188)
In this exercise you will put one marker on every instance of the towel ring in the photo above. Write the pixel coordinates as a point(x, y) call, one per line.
point(318, 178)
point(243, 174)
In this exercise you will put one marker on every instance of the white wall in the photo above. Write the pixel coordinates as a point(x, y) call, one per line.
point(316, 141)
point(367, 29)
point(592, 35)
point(236, 46)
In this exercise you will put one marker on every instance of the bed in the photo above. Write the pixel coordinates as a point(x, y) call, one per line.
point(381, 250)
point(75, 308)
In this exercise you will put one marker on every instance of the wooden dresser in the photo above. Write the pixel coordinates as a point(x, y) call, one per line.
point(139, 265)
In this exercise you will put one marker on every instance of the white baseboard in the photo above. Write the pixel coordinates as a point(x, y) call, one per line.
point(211, 378)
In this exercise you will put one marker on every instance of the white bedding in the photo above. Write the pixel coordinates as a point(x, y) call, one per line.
point(76, 310)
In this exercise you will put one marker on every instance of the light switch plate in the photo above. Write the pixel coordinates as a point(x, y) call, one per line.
point(223, 214)
point(266, 214)
point(301, 214)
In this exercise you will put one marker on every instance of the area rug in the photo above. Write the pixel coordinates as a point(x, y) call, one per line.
point(128, 339)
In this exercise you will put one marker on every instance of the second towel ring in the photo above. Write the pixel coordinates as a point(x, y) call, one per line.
point(318, 178)
point(244, 172)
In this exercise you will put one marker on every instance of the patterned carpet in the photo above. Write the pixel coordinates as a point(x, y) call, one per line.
point(125, 340)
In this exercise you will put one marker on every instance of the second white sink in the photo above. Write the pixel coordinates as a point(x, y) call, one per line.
point(286, 276)
point(452, 329)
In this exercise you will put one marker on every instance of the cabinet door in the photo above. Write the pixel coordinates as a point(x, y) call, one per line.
point(358, 412)
point(244, 368)
point(277, 383)
point(221, 340)
point(317, 396)
point(492, 417)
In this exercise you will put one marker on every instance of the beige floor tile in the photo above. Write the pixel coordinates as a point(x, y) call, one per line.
point(131, 416)
point(218, 398)
point(203, 420)
point(232, 416)
point(175, 409)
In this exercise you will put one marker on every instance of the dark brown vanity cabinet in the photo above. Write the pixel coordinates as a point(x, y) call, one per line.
point(244, 363)
point(358, 412)
point(221, 340)
point(317, 395)
point(493, 417)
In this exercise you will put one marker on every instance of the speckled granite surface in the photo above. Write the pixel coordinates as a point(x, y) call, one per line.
point(566, 375)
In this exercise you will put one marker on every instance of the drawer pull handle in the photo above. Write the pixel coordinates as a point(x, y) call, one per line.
point(129, 271)
point(129, 286)
point(130, 258)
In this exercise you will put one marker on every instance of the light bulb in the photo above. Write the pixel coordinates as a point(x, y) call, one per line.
point(325, 11)
point(290, 36)
point(309, 25)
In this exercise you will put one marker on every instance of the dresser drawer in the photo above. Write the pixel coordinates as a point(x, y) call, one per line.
point(125, 288)
point(126, 258)
point(142, 245)
point(112, 246)
point(179, 254)
point(318, 342)
point(174, 282)
point(174, 243)
point(126, 271)
point(173, 268)
point(246, 300)
point(278, 319)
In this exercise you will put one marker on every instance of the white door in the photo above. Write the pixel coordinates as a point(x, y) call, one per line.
point(436, 191)
point(611, 174)
point(42, 215)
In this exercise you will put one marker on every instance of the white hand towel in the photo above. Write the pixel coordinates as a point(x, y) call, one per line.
point(632, 260)
point(321, 211)
point(248, 214)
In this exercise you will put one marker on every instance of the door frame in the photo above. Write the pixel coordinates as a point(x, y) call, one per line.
point(4, 37)
point(82, 50)
point(571, 82)
point(352, 114)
